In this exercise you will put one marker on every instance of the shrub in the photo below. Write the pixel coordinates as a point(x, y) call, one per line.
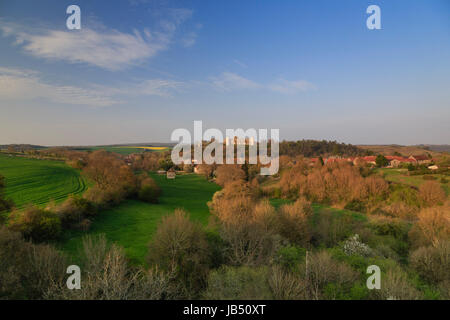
point(353, 246)
point(432, 263)
point(289, 257)
point(238, 283)
point(5, 204)
point(330, 228)
point(399, 210)
point(247, 230)
point(321, 270)
point(396, 286)
point(432, 227)
point(180, 246)
point(105, 274)
point(104, 198)
point(404, 194)
point(36, 224)
point(293, 222)
point(431, 193)
point(227, 173)
point(286, 285)
point(74, 211)
point(27, 270)
point(149, 191)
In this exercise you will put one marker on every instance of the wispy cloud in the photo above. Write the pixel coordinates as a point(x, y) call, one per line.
point(104, 48)
point(290, 87)
point(190, 39)
point(228, 81)
point(240, 63)
point(18, 84)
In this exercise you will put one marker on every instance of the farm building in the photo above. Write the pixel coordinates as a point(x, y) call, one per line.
point(171, 174)
point(420, 159)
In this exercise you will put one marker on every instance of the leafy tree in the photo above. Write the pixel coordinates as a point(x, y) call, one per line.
point(5, 204)
point(381, 161)
point(166, 164)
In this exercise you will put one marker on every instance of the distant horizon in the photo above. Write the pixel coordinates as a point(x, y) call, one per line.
point(173, 143)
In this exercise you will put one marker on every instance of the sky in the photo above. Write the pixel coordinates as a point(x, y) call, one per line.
point(139, 69)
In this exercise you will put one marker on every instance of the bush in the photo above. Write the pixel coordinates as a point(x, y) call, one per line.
point(431, 193)
point(399, 210)
point(286, 285)
point(149, 191)
point(396, 286)
point(36, 224)
point(227, 173)
point(293, 222)
point(104, 198)
point(321, 271)
point(330, 228)
point(404, 194)
point(74, 211)
point(180, 246)
point(238, 283)
point(5, 205)
point(248, 231)
point(432, 263)
point(27, 271)
point(105, 275)
point(353, 246)
point(432, 227)
point(289, 257)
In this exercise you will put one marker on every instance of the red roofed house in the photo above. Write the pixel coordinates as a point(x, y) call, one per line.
point(420, 159)
point(369, 159)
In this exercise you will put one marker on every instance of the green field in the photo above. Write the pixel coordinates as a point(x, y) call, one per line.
point(400, 176)
point(133, 223)
point(39, 181)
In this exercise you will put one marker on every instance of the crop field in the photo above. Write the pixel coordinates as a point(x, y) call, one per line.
point(125, 150)
point(39, 181)
point(133, 223)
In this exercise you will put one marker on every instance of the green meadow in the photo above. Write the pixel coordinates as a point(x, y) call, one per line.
point(133, 223)
point(400, 176)
point(39, 181)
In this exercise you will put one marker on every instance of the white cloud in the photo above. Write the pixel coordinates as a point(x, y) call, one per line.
point(240, 63)
point(151, 87)
point(107, 49)
point(291, 87)
point(228, 81)
point(18, 84)
point(190, 39)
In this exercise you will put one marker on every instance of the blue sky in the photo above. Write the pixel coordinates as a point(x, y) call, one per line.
point(138, 69)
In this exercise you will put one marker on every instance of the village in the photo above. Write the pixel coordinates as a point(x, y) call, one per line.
point(391, 161)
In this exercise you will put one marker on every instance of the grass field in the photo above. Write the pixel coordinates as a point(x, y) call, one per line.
point(400, 176)
point(39, 181)
point(133, 223)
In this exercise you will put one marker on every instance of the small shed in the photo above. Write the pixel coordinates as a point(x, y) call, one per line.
point(171, 174)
